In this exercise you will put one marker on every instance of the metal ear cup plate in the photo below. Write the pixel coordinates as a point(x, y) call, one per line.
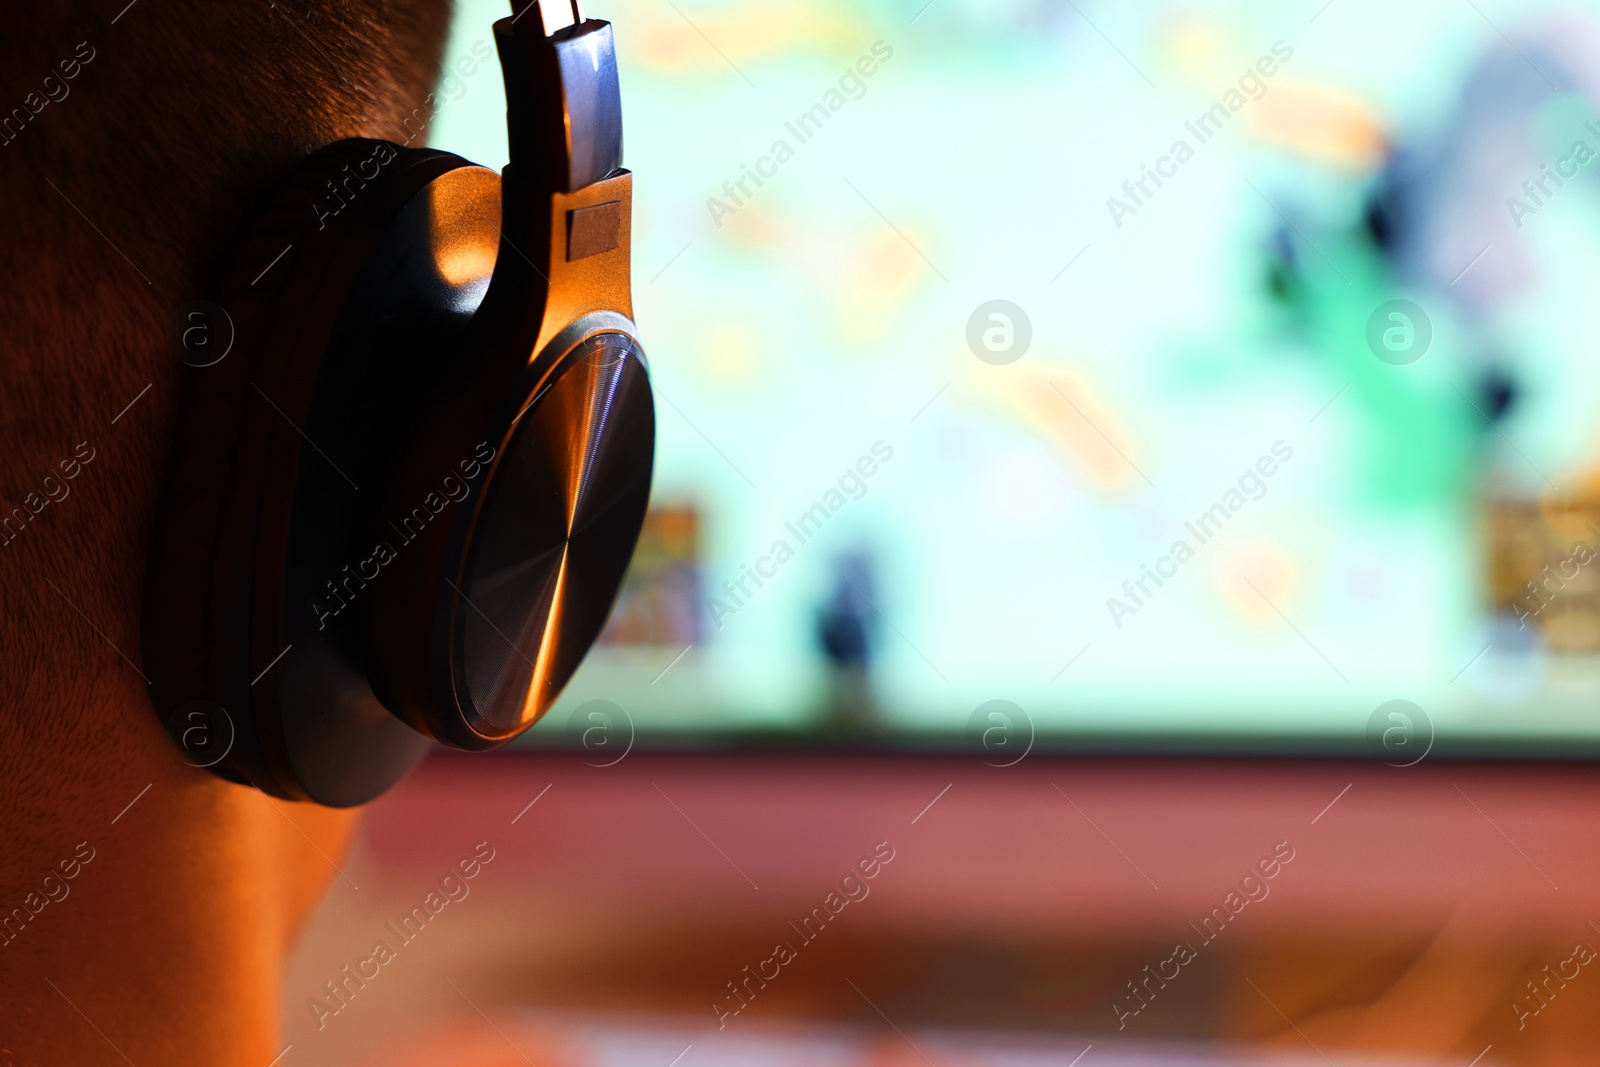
point(558, 525)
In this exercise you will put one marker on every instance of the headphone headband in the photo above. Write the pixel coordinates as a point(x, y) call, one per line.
point(563, 103)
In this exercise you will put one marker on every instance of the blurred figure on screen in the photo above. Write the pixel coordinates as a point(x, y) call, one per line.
point(846, 634)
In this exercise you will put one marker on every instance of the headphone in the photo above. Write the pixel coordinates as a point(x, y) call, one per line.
point(402, 498)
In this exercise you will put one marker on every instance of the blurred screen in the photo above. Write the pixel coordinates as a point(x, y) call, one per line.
point(1161, 373)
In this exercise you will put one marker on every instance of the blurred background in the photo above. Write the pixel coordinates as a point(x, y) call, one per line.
point(1103, 450)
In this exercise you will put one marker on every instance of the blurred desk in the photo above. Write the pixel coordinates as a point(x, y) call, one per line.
point(1418, 903)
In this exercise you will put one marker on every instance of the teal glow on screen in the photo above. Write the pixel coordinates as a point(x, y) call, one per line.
point(1198, 370)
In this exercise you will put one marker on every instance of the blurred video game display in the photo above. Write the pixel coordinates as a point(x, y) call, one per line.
point(1217, 370)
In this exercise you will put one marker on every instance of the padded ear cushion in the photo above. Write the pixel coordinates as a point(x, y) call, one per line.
point(321, 216)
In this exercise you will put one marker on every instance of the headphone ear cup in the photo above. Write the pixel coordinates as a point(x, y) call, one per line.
point(277, 302)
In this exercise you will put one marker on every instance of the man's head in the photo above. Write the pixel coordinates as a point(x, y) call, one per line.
point(133, 140)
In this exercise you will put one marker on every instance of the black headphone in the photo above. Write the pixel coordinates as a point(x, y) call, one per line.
point(414, 448)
